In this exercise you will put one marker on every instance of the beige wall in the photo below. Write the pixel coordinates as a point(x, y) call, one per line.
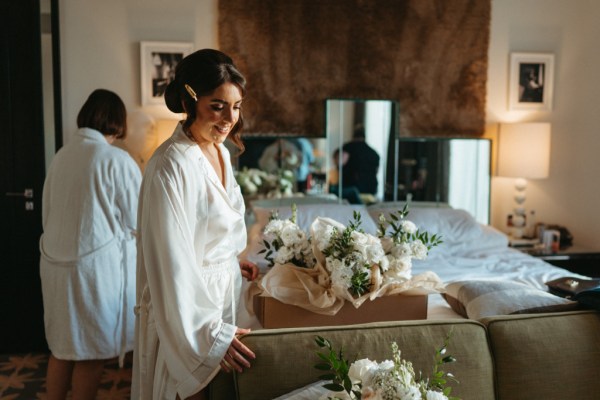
point(570, 30)
point(100, 48)
point(100, 45)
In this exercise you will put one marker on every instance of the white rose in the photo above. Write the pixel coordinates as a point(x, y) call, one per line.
point(333, 264)
point(374, 253)
point(386, 365)
point(399, 270)
point(362, 370)
point(408, 227)
point(359, 239)
point(408, 392)
point(433, 395)
point(419, 250)
point(323, 237)
point(401, 250)
point(291, 235)
point(283, 255)
point(274, 226)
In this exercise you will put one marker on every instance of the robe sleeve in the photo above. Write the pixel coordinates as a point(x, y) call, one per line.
point(193, 337)
point(126, 199)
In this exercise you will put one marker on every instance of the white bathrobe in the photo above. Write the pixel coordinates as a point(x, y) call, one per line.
point(88, 254)
point(191, 232)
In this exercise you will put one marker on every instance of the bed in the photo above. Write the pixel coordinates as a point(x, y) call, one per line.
point(471, 255)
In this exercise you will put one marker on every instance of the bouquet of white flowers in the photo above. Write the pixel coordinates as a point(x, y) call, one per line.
point(388, 380)
point(349, 254)
point(361, 263)
point(255, 182)
point(343, 263)
point(402, 241)
point(285, 242)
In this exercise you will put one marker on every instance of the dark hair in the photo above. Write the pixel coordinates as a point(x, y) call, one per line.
point(105, 112)
point(204, 71)
point(359, 132)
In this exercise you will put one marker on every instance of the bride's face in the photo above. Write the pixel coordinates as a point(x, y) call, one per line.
point(217, 114)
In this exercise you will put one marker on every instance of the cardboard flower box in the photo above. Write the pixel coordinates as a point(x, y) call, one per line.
point(274, 314)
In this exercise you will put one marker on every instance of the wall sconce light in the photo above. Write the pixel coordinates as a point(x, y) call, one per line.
point(523, 153)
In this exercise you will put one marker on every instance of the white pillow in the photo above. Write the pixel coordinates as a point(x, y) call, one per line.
point(478, 299)
point(307, 213)
point(454, 225)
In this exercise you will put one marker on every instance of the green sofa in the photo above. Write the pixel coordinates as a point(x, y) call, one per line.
point(528, 356)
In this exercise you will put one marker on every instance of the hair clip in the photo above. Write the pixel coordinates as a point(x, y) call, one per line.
point(191, 92)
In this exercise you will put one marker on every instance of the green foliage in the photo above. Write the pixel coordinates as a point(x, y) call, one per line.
point(336, 367)
point(439, 378)
point(399, 235)
point(342, 247)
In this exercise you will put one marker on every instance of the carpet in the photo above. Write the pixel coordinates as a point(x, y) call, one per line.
point(23, 377)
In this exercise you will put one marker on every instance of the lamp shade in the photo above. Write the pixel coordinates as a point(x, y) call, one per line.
point(524, 150)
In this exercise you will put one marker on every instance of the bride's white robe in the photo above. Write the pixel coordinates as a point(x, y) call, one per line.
point(191, 230)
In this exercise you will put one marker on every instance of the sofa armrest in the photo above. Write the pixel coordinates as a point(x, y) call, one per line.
point(546, 356)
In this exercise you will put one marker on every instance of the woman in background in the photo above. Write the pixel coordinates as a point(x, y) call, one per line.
point(88, 252)
point(191, 226)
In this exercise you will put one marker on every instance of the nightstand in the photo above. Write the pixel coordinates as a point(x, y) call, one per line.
point(575, 258)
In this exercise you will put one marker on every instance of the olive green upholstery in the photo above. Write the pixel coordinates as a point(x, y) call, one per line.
point(530, 356)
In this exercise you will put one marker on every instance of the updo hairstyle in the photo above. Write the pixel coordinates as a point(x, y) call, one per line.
point(204, 71)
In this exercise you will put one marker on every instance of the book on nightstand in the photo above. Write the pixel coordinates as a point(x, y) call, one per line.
point(522, 242)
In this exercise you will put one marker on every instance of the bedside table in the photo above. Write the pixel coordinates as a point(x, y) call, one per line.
point(575, 258)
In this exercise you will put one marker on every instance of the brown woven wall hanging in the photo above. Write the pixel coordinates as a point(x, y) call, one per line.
point(430, 55)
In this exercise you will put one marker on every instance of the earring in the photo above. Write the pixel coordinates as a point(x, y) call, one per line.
point(191, 91)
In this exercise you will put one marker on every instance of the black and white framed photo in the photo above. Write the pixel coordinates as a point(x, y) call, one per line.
point(531, 81)
point(157, 62)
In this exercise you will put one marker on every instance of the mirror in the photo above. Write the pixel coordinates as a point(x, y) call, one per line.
point(456, 171)
point(283, 165)
point(361, 137)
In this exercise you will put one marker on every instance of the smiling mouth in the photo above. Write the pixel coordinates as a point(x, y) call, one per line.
point(222, 130)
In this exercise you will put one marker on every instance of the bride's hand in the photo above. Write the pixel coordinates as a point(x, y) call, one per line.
point(249, 270)
point(238, 354)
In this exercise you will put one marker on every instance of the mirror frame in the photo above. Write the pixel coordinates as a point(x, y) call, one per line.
point(389, 167)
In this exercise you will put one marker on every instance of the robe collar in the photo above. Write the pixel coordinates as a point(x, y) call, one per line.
point(92, 134)
point(227, 191)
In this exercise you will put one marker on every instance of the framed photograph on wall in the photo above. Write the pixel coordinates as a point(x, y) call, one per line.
point(531, 81)
point(157, 62)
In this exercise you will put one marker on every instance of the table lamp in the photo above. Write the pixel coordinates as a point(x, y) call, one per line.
point(523, 153)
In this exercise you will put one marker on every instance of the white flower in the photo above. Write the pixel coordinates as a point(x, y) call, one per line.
point(408, 227)
point(374, 253)
point(359, 239)
point(363, 371)
point(408, 392)
point(284, 254)
point(419, 250)
point(292, 235)
point(433, 395)
point(322, 237)
point(402, 250)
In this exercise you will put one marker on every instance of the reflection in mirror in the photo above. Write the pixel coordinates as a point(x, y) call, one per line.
point(453, 171)
point(279, 166)
point(361, 136)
